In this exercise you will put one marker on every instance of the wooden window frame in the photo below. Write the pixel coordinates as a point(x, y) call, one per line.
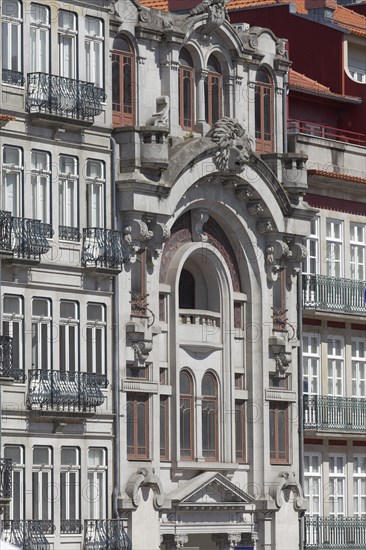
point(261, 88)
point(213, 400)
point(186, 72)
point(136, 399)
point(275, 453)
point(190, 398)
point(240, 455)
point(121, 118)
point(211, 78)
point(164, 410)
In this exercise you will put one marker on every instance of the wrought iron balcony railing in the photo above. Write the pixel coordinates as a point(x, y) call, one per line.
point(106, 534)
point(63, 97)
point(66, 233)
point(24, 237)
point(65, 391)
point(322, 412)
point(28, 534)
point(6, 468)
point(334, 294)
point(71, 526)
point(15, 78)
point(5, 231)
point(103, 248)
point(7, 368)
point(326, 533)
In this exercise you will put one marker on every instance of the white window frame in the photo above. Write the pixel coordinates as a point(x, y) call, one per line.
point(313, 480)
point(358, 246)
point(93, 328)
point(68, 194)
point(357, 74)
point(97, 485)
point(16, 508)
point(13, 169)
point(332, 360)
point(337, 486)
point(358, 367)
point(42, 474)
point(94, 48)
point(313, 380)
point(359, 492)
point(69, 477)
point(70, 325)
point(335, 267)
point(9, 322)
point(39, 29)
point(95, 189)
point(14, 23)
point(312, 241)
point(66, 33)
point(42, 329)
point(41, 186)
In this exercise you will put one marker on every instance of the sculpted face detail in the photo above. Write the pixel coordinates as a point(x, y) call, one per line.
point(235, 148)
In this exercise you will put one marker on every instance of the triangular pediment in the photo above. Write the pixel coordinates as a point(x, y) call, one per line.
point(210, 489)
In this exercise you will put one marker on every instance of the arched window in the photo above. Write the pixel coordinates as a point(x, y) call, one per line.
point(213, 91)
point(209, 417)
point(186, 91)
point(186, 416)
point(186, 290)
point(264, 112)
point(123, 83)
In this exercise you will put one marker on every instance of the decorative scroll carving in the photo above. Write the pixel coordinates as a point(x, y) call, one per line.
point(161, 117)
point(142, 349)
point(287, 481)
point(275, 254)
point(199, 218)
point(180, 540)
point(283, 361)
point(235, 148)
point(145, 477)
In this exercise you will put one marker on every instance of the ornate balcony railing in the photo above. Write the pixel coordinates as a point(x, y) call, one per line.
point(65, 391)
point(14, 78)
point(66, 233)
point(28, 534)
point(29, 238)
point(6, 468)
point(106, 534)
point(334, 294)
point(7, 368)
point(322, 412)
point(71, 526)
point(63, 97)
point(325, 533)
point(5, 231)
point(103, 248)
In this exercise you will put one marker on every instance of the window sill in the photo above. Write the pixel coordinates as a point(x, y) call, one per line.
point(206, 465)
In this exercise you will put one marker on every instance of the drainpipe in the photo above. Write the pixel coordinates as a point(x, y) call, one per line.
point(284, 111)
point(115, 347)
point(301, 400)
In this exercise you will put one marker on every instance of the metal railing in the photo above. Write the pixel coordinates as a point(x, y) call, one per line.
point(64, 97)
point(66, 233)
point(6, 468)
point(14, 78)
point(65, 391)
point(7, 368)
point(323, 533)
point(106, 534)
point(28, 534)
point(5, 231)
point(324, 131)
point(103, 248)
point(71, 526)
point(322, 412)
point(334, 294)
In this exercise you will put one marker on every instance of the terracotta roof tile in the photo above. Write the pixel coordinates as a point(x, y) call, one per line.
point(301, 81)
point(156, 4)
point(354, 22)
point(337, 175)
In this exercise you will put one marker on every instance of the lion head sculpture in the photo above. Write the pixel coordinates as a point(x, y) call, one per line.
point(235, 148)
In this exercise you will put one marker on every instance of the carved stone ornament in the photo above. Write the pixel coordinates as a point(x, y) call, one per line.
point(275, 256)
point(180, 540)
point(199, 218)
point(298, 253)
point(283, 361)
point(243, 192)
point(255, 208)
point(216, 11)
point(142, 349)
point(145, 477)
point(287, 481)
point(235, 147)
point(265, 226)
point(161, 117)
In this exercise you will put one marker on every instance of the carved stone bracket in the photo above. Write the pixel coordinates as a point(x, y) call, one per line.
point(198, 218)
point(145, 477)
point(180, 540)
point(265, 226)
point(244, 192)
point(255, 208)
point(276, 254)
point(283, 361)
point(298, 255)
point(287, 481)
point(142, 349)
point(145, 233)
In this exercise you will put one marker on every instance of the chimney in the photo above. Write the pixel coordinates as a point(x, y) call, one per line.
point(321, 10)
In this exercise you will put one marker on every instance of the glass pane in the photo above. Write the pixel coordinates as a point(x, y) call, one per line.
point(41, 455)
point(68, 456)
point(95, 312)
point(68, 310)
point(127, 85)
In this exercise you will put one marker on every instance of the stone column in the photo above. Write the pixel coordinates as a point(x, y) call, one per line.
point(201, 124)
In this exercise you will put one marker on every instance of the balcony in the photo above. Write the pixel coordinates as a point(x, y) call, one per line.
point(13, 78)
point(6, 468)
point(342, 414)
point(200, 327)
point(23, 238)
point(64, 98)
point(334, 294)
point(325, 533)
point(315, 129)
point(7, 370)
point(71, 526)
point(106, 534)
point(28, 534)
point(64, 391)
point(103, 248)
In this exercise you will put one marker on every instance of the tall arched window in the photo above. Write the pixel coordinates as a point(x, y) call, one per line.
point(213, 91)
point(186, 416)
point(209, 417)
point(123, 83)
point(186, 90)
point(186, 290)
point(264, 112)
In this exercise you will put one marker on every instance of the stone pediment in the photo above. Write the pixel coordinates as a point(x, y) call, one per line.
point(210, 489)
